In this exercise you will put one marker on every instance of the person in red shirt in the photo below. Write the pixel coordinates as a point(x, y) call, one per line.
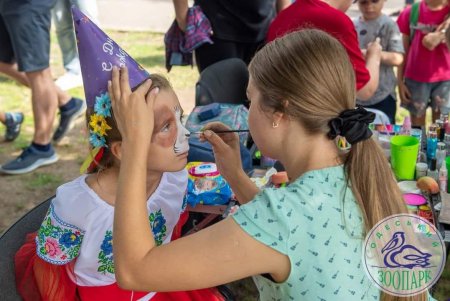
point(329, 16)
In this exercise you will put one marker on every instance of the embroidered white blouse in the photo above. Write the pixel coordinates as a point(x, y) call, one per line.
point(79, 224)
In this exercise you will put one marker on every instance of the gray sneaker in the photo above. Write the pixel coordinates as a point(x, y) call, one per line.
point(29, 160)
point(13, 123)
point(67, 118)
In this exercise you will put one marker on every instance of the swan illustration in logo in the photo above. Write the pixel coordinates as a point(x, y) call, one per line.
point(397, 254)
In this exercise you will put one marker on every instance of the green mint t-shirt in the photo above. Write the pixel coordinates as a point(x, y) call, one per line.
point(317, 223)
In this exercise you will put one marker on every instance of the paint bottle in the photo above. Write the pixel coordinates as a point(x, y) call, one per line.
point(447, 143)
point(406, 127)
point(443, 178)
point(440, 154)
point(444, 118)
point(431, 145)
point(421, 170)
point(423, 145)
point(440, 129)
point(417, 133)
point(432, 171)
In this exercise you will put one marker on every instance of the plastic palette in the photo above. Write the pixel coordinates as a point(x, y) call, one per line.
point(414, 199)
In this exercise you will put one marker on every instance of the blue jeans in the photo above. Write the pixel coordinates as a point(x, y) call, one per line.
point(62, 17)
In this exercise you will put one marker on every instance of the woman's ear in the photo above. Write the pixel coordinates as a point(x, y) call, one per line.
point(278, 116)
point(116, 149)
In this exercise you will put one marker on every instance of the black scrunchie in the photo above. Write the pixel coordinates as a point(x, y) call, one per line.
point(352, 124)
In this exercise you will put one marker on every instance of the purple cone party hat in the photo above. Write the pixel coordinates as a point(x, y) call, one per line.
point(98, 54)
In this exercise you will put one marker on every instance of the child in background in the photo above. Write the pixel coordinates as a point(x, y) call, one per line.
point(373, 24)
point(424, 77)
point(71, 257)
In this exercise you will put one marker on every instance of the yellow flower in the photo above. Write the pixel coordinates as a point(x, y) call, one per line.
point(98, 124)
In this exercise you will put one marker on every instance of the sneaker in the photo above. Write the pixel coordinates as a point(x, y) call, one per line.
point(66, 118)
point(13, 123)
point(69, 80)
point(29, 160)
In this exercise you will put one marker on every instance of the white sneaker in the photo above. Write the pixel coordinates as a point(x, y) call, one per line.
point(69, 80)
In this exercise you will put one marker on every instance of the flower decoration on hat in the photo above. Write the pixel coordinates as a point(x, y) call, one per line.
point(102, 105)
point(97, 121)
point(96, 140)
point(98, 128)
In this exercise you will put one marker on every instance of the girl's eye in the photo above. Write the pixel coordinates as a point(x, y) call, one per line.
point(166, 127)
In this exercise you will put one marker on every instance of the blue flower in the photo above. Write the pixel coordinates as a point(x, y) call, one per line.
point(107, 243)
point(69, 239)
point(96, 140)
point(158, 224)
point(103, 105)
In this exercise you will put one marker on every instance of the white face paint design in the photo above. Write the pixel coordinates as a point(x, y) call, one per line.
point(181, 144)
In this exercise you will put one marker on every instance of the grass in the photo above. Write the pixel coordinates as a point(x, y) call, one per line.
point(41, 180)
point(147, 49)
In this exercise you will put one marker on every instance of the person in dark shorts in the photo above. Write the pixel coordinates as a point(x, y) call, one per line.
point(25, 40)
point(239, 27)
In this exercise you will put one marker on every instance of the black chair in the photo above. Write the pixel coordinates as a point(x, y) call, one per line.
point(10, 241)
point(225, 82)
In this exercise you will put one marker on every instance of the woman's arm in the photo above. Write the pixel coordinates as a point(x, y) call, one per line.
point(218, 254)
point(228, 159)
point(244, 189)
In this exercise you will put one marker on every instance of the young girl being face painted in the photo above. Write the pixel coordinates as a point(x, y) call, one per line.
point(169, 145)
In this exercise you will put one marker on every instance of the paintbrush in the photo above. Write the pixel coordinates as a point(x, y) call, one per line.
point(218, 132)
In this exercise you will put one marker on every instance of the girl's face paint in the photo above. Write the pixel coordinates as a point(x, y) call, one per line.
point(169, 142)
point(181, 143)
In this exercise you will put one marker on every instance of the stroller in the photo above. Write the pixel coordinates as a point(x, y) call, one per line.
point(224, 82)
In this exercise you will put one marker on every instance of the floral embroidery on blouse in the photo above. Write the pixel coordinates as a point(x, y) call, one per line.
point(105, 257)
point(57, 241)
point(158, 225)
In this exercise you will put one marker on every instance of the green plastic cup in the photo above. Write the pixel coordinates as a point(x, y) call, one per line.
point(447, 164)
point(404, 151)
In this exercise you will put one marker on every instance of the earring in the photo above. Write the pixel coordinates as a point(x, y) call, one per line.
point(274, 124)
point(342, 144)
